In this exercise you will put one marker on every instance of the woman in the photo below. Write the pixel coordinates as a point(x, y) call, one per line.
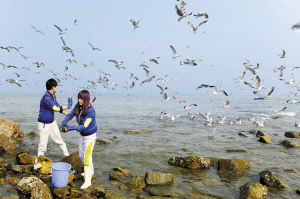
point(86, 119)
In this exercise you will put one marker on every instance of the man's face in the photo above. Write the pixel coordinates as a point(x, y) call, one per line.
point(54, 89)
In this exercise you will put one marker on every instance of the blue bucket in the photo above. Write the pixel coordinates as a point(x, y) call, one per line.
point(60, 174)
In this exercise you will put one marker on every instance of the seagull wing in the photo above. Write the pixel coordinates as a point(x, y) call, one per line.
point(60, 30)
point(178, 11)
point(173, 49)
point(114, 61)
point(248, 84)
point(64, 43)
point(271, 91)
point(201, 23)
point(161, 88)
point(91, 45)
point(257, 81)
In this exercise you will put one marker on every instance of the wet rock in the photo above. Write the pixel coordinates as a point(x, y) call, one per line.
point(23, 158)
point(102, 141)
point(252, 131)
point(11, 197)
point(75, 193)
point(253, 190)
point(298, 191)
point(265, 139)
point(61, 192)
point(270, 180)
point(31, 133)
point(232, 167)
point(13, 181)
point(75, 161)
point(236, 151)
point(2, 181)
point(45, 164)
point(161, 191)
point(292, 134)
point(119, 174)
point(117, 196)
point(158, 178)
point(292, 170)
point(22, 168)
point(197, 194)
point(289, 144)
point(2, 172)
point(242, 134)
point(35, 187)
point(10, 134)
point(137, 131)
point(98, 191)
point(135, 184)
point(190, 162)
point(259, 133)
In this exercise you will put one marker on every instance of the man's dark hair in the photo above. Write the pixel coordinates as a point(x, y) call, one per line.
point(51, 83)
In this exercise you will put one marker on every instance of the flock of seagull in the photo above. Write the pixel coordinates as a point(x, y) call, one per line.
point(104, 78)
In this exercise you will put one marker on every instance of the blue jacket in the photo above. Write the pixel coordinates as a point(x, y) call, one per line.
point(87, 123)
point(48, 105)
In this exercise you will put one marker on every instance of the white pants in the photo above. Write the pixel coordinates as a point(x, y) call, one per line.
point(86, 146)
point(46, 130)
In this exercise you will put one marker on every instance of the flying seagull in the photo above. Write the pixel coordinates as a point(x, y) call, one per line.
point(94, 48)
point(135, 23)
point(201, 14)
point(195, 28)
point(282, 56)
point(37, 30)
point(147, 80)
point(181, 13)
point(61, 32)
point(296, 27)
point(154, 60)
point(175, 54)
point(117, 64)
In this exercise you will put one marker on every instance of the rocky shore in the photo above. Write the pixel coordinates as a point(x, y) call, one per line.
point(17, 172)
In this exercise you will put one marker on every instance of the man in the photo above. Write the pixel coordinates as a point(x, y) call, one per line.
point(46, 124)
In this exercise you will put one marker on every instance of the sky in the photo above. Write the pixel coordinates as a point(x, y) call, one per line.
point(236, 31)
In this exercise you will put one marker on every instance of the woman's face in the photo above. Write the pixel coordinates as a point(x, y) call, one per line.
point(80, 101)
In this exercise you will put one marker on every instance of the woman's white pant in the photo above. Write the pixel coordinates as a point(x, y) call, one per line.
point(86, 146)
point(46, 130)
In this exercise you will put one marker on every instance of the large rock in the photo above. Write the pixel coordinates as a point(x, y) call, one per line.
point(158, 178)
point(289, 144)
point(75, 161)
point(269, 179)
point(13, 181)
point(119, 174)
point(232, 167)
point(10, 134)
point(292, 134)
point(265, 139)
point(135, 184)
point(190, 162)
point(161, 191)
point(34, 187)
point(61, 192)
point(253, 190)
point(23, 158)
point(98, 191)
point(22, 168)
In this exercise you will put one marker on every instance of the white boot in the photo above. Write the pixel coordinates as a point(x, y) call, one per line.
point(87, 177)
point(82, 174)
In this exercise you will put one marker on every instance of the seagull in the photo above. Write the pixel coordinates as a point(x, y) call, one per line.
point(133, 76)
point(260, 123)
point(193, 28)
point(94, 48)
point(226, 104)
point(25, 57)
point(296, 27)
point(216, 90)
point(147, 71)
point(257, 86)
point(147, 80)
point(5, 48)
point(15, 81)
point(117, 64)
point(71, 61)
point(144, 65)
point(164, 79)
point(18, 75)
point(221, 120)
point(241, 78)
point(75, 22)
point(175, 54)
point(178, 100)
point(61, 32)
point(132, 84)
point(135, 23)
point(281, 68)
point(65, 47)
point(154, 60)
point(170, 116)
point(39, 64)
point(16, 48)
point(36, 30)
point(190, 62)
point(250, 67)
point(201, 14)
point(7, 66)
point(66, 68)
point(282, 56)
point(181, 13)
point(290, 81)
point(191, 116)
point(271, 91)
point(164, 96)
point(189, 106)
point(162, 89)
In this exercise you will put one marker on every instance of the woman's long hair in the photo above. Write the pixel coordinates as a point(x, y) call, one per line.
point(85, 96)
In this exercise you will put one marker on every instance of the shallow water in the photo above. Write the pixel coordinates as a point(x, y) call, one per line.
point(140, 153)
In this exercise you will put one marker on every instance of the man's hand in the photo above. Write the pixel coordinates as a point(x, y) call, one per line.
point(65, 113)
point(64, 107)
